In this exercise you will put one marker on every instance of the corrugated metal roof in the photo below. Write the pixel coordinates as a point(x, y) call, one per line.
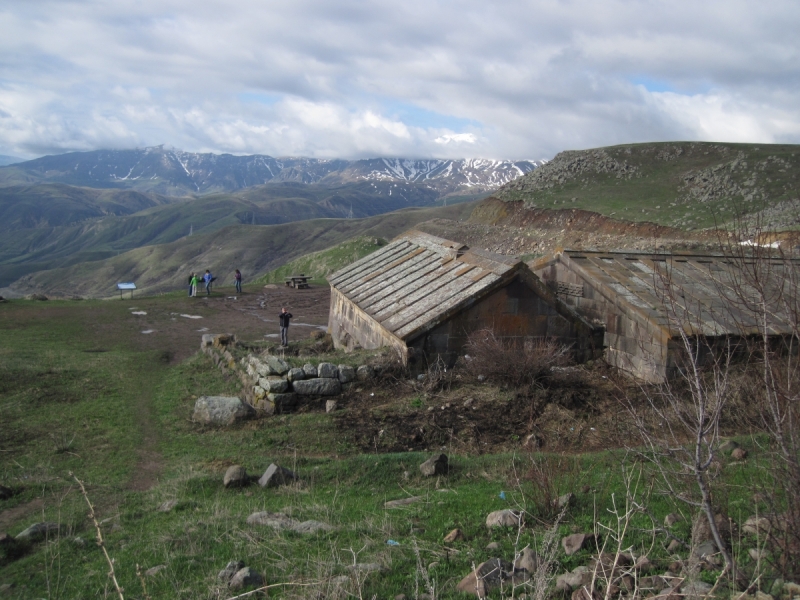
point(701, 292)
point(418, 280)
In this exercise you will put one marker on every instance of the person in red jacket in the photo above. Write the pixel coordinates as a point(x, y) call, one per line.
point(283, 318)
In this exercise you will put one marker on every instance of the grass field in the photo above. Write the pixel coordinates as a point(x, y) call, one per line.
point(79, 394)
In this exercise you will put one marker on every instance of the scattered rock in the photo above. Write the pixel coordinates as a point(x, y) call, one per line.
point(757, 525)
point(757, 554)
point(527, 560)
point(5, 492)
point(577, 541)
point(671, 519)
point(791, 589)
point(739, 454)
point(40, 297)
point(701, 530)
point(365, 372)
point(402, 502)
point(321, 386)
point(486, 577)
point(38, 532)
point(346, 373)
point(311, 527)
point(154, 570)
point(274, 520)
point(230, 570)
point(493, 546)
point(310, 371)
point(454, 536)
point(281, 521)
point(728, 446)
point(505, 518)
point(327, 370)
point(579, 577)
point(245, 578)
point(533, 441)
point(696, 589)
point(674, 546)
point(275, 476)
point(330, 406)
point(167, 505)
point(235, 476)
point(435, 465)
point(566, 500)
point(221, 410)
point(706, 548)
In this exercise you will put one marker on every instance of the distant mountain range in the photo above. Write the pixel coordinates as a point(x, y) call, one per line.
point(173, 172)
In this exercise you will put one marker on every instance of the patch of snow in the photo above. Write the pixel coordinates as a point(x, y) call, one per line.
point(138, 312)
point(149, 331)
point(191, 316)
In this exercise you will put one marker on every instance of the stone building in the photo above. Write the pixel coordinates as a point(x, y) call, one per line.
point(424, 295)
point(644, 301)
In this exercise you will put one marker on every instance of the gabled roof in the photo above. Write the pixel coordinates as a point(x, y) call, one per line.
point(418, 280)
point(699, 291)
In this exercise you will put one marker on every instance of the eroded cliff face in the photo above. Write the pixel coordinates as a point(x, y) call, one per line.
point(510, 227)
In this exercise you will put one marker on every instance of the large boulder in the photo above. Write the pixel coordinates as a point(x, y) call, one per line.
point(275, 476)
point(435, 465)
point(504, 518)
point(310, 370)
point(221, 410)
point(318, 387)
point(327, 370)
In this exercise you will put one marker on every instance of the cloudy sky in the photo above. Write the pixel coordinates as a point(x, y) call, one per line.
point(414, 78)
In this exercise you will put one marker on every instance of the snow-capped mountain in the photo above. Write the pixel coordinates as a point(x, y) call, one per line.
point(174, 172)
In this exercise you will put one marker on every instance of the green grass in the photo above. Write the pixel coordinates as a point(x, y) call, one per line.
point(76, 396)
point(743, 179)
point(319, 265)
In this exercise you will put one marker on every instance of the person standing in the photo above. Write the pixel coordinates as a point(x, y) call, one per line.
point(191, 279)
point(208, 278)
point(193, 285)
point(283, 318)
point(237, 280)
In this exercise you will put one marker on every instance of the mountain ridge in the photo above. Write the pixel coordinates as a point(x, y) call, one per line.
point(174, 172)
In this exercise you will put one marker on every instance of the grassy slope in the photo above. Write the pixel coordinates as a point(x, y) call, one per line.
point(683, 184)
point(55, 226)
point(318, 265)
point(88, 418)
point(252, 249)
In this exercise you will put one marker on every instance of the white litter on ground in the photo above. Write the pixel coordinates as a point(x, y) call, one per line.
point(138, 312)
point(202, 329)
point(149, 331)
point(271, 335)
point(192, 316)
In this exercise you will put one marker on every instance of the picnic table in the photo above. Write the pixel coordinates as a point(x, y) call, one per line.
point(297, 281)
point(125, 286)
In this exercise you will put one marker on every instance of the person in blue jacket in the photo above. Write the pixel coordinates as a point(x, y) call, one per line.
point(208, 278)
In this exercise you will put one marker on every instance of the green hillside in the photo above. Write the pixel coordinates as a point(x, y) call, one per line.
point(319, 265)
point(689, 185)
point(254, 250)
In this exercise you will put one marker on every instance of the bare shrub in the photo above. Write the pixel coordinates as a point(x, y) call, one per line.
point(550, 477)
point(514, 361)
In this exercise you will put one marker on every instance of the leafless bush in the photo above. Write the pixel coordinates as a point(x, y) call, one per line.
point(514, 361)
point(550, 477)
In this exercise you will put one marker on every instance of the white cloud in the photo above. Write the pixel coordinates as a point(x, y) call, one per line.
point(501, 79)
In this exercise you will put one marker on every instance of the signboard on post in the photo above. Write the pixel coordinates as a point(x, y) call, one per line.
point(126, 286)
